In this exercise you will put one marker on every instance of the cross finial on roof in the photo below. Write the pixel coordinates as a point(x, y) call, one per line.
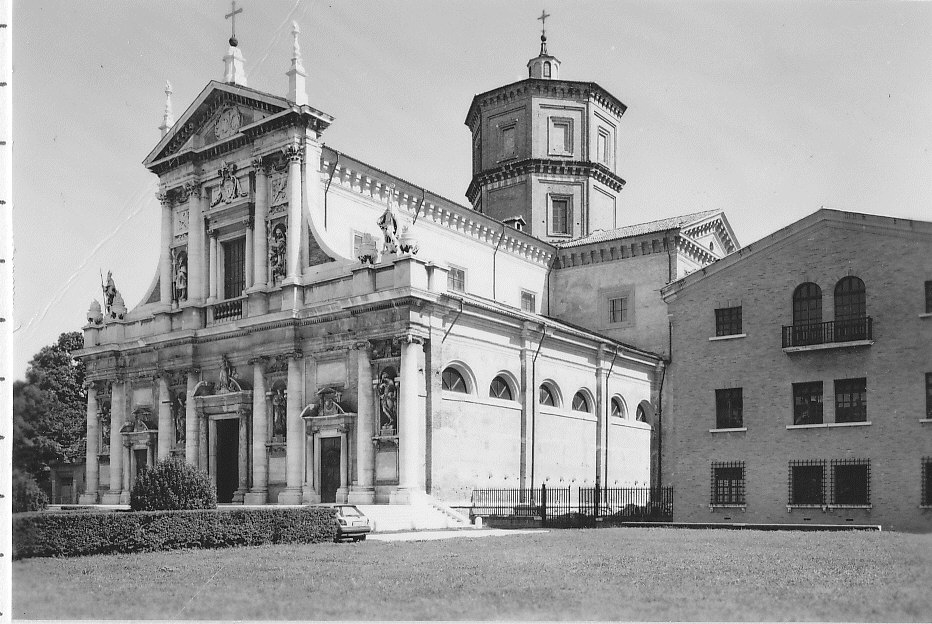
point(232, 16)
point(543, 31)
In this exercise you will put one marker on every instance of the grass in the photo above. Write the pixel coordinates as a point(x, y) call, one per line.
point(622, 573)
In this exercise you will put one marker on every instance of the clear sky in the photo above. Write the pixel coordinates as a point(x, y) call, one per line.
point(765, 110)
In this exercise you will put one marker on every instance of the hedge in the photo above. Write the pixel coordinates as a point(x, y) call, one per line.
point(76, 534)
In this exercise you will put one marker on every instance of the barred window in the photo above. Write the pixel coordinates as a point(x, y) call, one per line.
point(728, 321)
point(559, 215)
point(618, 408)
point(528, 301)
point(453, 381)
point(728, 483)
point(456, 279)
point(851, 482)
point(617, 309)
point(928, 395)
point(807, 482)
point(547, 396)
point(581, 403)
point(850, 400)
point(729, 408)
point(807, 403)
point(927, 481)
point(499, 389)
point(929, 297)
point(234, 268)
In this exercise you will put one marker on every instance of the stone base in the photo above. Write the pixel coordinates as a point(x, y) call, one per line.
point(361, 495)
point(309, 496)
point(124, 497)
point(257, 302)
point(238, 496)
point(192, 318)
point(292, 296)
point(407, 497)
point(290, 497)
point(88, 499)
point(256, 498)
point(110, 498)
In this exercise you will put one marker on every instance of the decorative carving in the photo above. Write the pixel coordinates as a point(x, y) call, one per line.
point(278, 365)
point(382, 349)
point(110, 292)
point(258, 165)
point(192, 189)
point(181, 221)
point(343, 428)
point(368, 250)
point(228, 381)
point(407, 243)
point(228, 123)
point(388, 223)
point(294, 153)
point(164, 197)
point(328, 400)
point(104, 414)
point(229, 189)
point(278, 245)
point(94, 314)
point(279, 411)
point(179, 275)
point(279, 188)
point(388, 401)
point(178, 409)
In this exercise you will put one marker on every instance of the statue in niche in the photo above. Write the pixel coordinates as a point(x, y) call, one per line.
point(278, 245)
point(178, 406)
point(388, 222)
point(180, 272)
point(228, 382)
point(388, 402)
point(105, 425)
point(279, 409)
point(329, 401)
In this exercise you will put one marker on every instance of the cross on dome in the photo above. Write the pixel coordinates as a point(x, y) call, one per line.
point(543, 31)
point(232, 17)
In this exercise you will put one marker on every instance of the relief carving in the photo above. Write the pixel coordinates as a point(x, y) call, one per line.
point(179, 275)
point(229, 188)
point(279, 410)
point(278, 245)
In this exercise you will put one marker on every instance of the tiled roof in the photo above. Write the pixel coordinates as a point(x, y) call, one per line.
point(640, 228)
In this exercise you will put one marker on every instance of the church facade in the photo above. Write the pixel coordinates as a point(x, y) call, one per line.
point(320, 330)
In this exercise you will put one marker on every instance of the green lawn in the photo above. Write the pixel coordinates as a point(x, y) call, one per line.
point(627, 574)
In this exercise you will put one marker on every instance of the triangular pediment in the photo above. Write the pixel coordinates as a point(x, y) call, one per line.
point(712, 232)
point(218, 114)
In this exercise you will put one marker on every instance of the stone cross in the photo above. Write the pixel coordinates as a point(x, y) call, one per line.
point(232, 16)
point(543, 22)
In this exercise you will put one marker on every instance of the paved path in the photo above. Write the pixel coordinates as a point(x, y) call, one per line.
point(422, 536)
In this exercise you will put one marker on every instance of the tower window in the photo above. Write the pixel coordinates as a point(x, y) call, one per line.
point(561, 136)
point(508, 142)
point(546, 69)
point(559, 215)
point(456, 279)
point(528, 301)
point(603, 148)
point(617, 309)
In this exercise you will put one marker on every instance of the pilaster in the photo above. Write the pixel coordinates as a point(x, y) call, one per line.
point(190, 420)
point(291, 495)
point(117, 418)
point(92, 466)
point(410, 427)
point(363, 491)
point(259, 493)
point(165, 419)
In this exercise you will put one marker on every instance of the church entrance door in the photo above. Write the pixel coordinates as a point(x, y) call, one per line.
point(329, 469)
point(227, 459)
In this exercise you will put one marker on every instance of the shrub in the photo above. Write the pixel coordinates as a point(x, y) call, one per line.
point(27, 495)
point(77, 534)
point(172, 484)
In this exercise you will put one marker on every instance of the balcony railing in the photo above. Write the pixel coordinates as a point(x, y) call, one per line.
point(828, 332)
point(224, 311)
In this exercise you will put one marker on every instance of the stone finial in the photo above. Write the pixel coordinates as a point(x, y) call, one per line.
point(234, 67)
point(118, 309)
point(95, 315)
point(407, 243)
point(168, 117)
point(297, 76)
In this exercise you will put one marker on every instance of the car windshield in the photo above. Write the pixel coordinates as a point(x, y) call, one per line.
point(349, 511)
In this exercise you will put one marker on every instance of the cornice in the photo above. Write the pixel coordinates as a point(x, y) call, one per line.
point(544, 166)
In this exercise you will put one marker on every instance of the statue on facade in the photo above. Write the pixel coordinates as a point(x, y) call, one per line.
point(388, 402)
point(110, 292)
point(178, 405)
point(104, 412)
point(388, 223)
point(228, 382)
point(328, 400)
point(278, 245)
point(279, 409)
point(180, 272)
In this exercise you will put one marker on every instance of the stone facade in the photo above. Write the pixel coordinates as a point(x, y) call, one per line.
point(870, 444)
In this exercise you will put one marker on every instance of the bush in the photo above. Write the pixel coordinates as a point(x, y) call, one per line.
point(77, 534)
point(27, 495)
point(172, 484)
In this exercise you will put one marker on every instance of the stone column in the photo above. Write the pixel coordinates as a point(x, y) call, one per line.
point(212, 454)
point(165, 260)
point(117, 416)
point(212, 271)
point(202, 440)
point(344, 464)
point(295, 155)
point(196, 281)
point(92, 466)
point(259, 494)
point(242, 457)
point(363, 492)
point(601, 422)
point(250, 259)
point(291, 495)
point(410, 427)
point(260, 246)
point(190, 421)
point(129, 470)
point(165, 419)
point(528, 397)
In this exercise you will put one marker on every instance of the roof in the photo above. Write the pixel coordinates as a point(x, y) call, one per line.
point(661, 225)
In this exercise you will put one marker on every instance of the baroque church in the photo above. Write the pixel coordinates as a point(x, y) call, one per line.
point(320, 330)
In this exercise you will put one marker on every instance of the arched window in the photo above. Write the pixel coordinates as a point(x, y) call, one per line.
point(850, 309)
point(546, 69)
point(581, 403)
point(453, 381)
point(807, 314)
point(641, 414)
point(547, 396)
point(500, 389)
point(618, 408)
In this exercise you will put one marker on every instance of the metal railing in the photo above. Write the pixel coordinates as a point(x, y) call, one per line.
point(830, 331)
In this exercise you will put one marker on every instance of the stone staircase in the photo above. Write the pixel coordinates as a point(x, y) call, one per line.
point(420, 516)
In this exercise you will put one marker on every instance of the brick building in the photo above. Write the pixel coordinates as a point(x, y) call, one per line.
point(800, 388)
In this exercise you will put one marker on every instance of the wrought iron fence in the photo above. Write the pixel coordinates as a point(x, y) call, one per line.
point(829, 331)
point(575, 507)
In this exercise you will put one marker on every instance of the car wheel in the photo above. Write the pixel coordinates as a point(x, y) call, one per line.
point(359, 538)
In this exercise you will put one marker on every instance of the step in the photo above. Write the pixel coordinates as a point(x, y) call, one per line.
point(386, 518)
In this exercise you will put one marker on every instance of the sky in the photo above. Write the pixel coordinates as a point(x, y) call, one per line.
point(766, 110)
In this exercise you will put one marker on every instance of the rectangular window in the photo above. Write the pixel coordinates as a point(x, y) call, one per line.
point(728, 321)
point(234, 268)
point(528, 301)
point(807, 483)
point(603, 148)
point(807, 403)
point(850, 400)
point(559, 215)
point(729, 409)
point(928, 395)
point(851, 482)
point(929, 297)
point(926, 482)
point(357, 243)
point(561, 136)
point(617, 309)
point(508, 142)
point(728, 483)
point(456, 279)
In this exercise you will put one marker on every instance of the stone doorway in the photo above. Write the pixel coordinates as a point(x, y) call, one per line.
point(227, 459)
point(329, 469)
point(141, 456)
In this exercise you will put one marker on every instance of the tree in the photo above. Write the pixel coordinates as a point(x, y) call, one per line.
point(49, 408)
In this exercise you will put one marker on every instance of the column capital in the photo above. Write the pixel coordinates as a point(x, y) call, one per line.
point(212, 232)
point(360, 345)
point(260, 360)
point(164, 197)
point(294, 152)
point(249, 222)
point(411, 338)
